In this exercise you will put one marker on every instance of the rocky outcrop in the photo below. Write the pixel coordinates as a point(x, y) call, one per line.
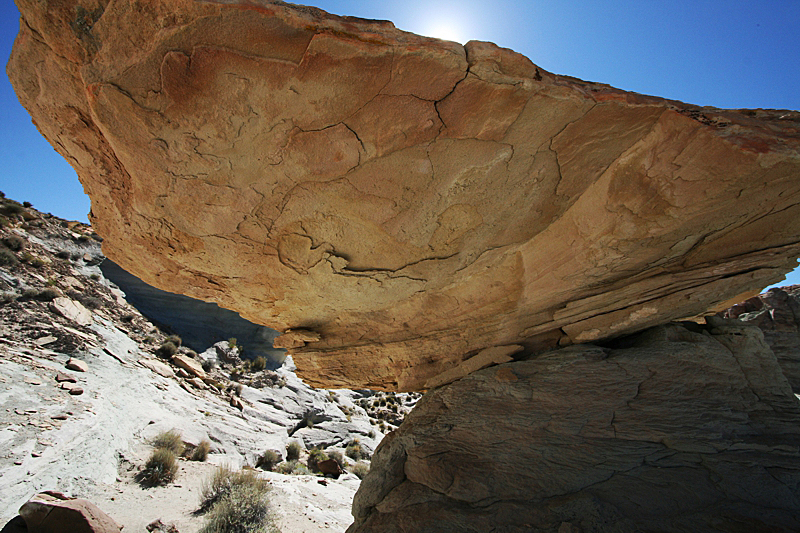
point(677, 429)
point(199, 324)
point(412, 202)
point(777, 313)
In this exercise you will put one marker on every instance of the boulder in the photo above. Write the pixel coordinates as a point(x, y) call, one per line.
point(777, 313)
point(406, 202)
point(52, 512)
point(158, 367)
point(190, 365)
point(77, 365)
point(71, 310)
point(673, 430)
point(330, 467)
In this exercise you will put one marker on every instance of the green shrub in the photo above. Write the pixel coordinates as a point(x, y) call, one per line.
point(166, 350)
point(315, 456)
point(268, 460)
point(27, 204)
point(161, 468)
point(10, 207)
point(360, 470)
point(174, 339)
point(7, 257)
point(258, 364)
point(200, 453)
point(354, 450)
point(170, 440)
point(14, 242)
point(293, 451)
point(48, 295)
point(222, 482)
point(63, 254)
point(295, 468)
point(94, 277)
point(232, 342)
point(90, 302)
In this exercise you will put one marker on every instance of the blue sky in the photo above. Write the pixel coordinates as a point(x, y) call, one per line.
point(724, 53)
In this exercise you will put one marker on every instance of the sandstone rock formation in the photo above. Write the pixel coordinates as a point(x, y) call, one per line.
point(52, 512)
point(777, 314)
point(675, 429)
point(412, 202)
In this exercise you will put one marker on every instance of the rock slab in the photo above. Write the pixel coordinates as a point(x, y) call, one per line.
point(410, 201)
point(672, 430)
point(52, 512)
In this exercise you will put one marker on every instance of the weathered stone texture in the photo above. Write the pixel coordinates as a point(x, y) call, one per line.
point(671, 430)
point(777, 313)
point(411, 201)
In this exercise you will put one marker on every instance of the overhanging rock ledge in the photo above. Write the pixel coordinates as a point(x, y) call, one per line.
point(409, 202)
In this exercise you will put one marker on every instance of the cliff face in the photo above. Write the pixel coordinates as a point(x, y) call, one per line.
point(424, 208)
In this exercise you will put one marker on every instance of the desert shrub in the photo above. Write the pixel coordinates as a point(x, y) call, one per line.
point(7, 257)
point(47, 295)
point(161, 467)
point(338, 457)
point(258, 364)
point(63, 254)
point(371, 434)
point(281, 382)
point(315, 456)
point(208, 365)
point(295, 468)
point(360, 470)
point(166, 350)
point(10, 207)
point(75, 256)
point(232, 342)
point(223, 481)
point(94, 277)
point(97, 237)
point(27, 204)
point(170, 440)
point(32, 260)
point(83, 238)
point(293, 451)
point(174, 339)
point(245, 509)
point(91, 302)
point(354, 450)
point(268, 460)
point(14, 242)
point(200, 452)
point(191, 353)
point(6, 298)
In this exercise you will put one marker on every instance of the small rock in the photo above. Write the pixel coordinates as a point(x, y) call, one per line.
point(237, 403)
point(32, 381)
point(76, 391)
point(198, 383)
point(62, 377)
point(41, 341)
point(71, 310)
point(77, 365)
point(189, 364)
point(330, 467)
point(181, 373)
point(158, 367)
point(18, 462)
point(67, 386)
point(35, 454)
point(60, 417)
point(45, 443)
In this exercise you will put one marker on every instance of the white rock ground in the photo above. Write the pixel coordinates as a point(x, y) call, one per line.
point(92, 445)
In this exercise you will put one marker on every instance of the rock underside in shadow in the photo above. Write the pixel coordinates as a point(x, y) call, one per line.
point(404, 203)
point(670, 430)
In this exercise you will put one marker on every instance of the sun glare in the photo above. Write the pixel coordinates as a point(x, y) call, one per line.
point(445, 31)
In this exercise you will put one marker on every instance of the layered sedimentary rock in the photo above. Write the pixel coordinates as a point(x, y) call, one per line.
point(413, 209)
point(777, 314)
point(672, 430)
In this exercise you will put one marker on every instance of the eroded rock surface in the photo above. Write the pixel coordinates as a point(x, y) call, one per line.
point(410, 201)
point(671, 430)
point(777, 313)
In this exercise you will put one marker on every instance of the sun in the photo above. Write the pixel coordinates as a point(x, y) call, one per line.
point(448, 32)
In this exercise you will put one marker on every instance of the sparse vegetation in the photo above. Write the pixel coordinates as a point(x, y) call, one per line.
point(161, 467)
point(371, 434)
point(268, 460)
point(166, 350)
point(338, 457)
point(293, 451)
point(360, 469)
point(174, 339)
point(170, 440)
point(14, 242)
point(63, 254)
point(315, 456)
point(7, 257)
point(294, 467)
point(94, 277)
point(200, 452)
point(222, 482)
point(258, 364)
point(355, 451)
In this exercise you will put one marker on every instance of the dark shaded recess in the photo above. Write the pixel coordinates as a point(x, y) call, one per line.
point(200, 324)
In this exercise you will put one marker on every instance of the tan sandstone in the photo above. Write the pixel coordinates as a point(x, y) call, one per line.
point(410, 201)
